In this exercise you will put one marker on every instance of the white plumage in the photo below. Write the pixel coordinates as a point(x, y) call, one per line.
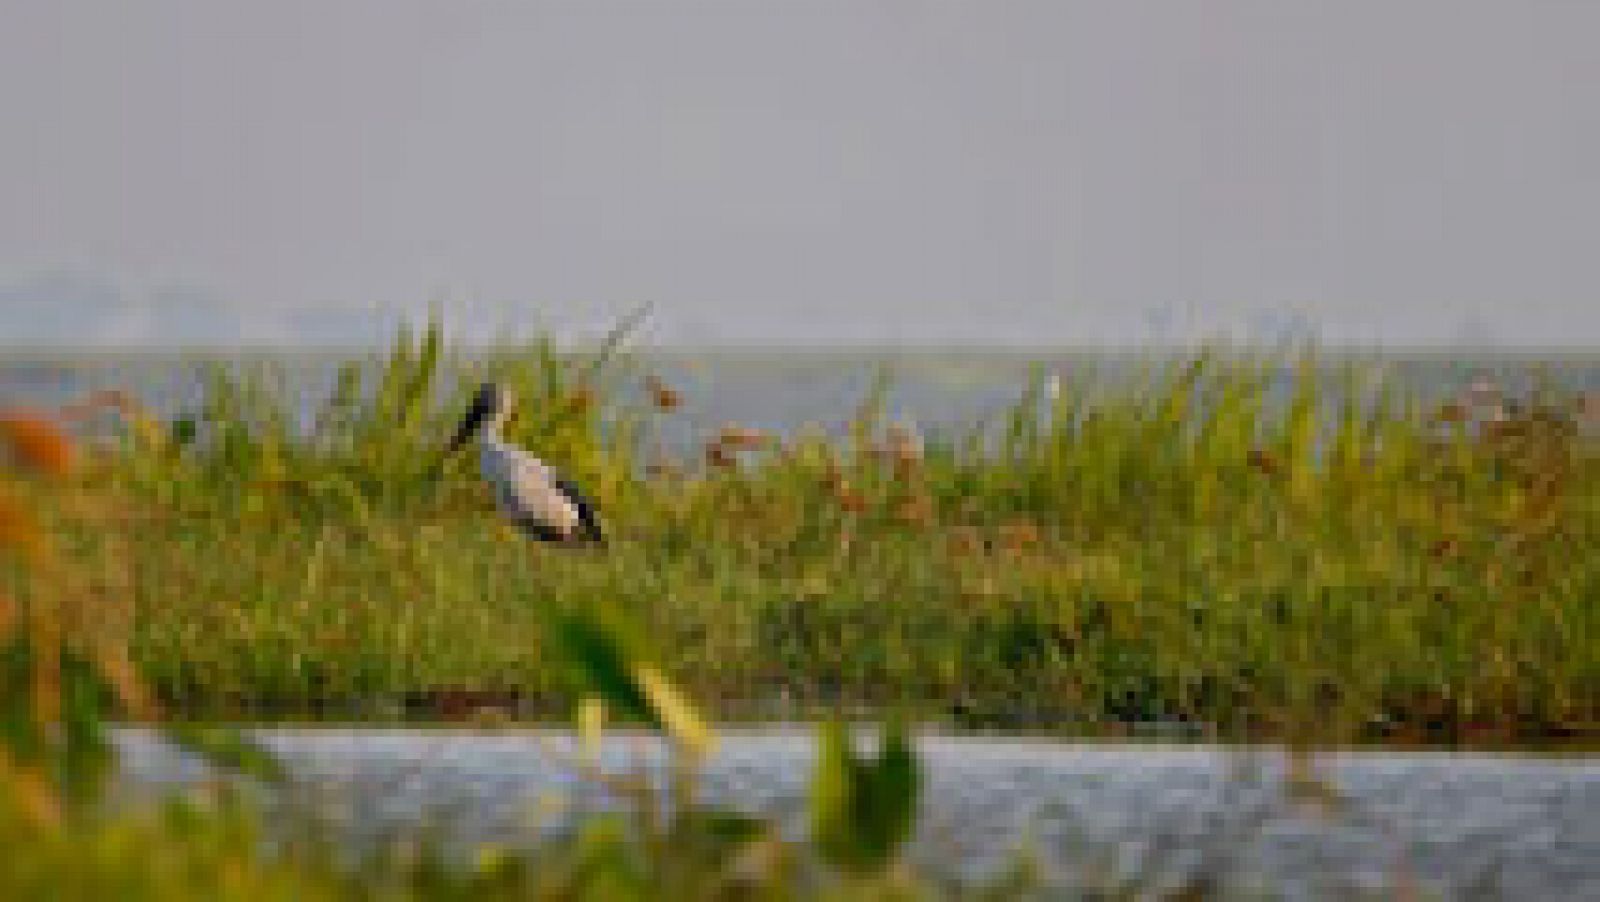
point(528, 491)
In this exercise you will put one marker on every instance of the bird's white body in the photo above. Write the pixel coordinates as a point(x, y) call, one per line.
point(531, 494)
point(524, 486)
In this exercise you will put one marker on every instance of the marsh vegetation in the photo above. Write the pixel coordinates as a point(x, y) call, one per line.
point(1243, 543)
point(1230, 545)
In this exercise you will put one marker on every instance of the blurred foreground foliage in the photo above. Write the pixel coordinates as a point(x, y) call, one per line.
point(66, 675)
point(1249, 545)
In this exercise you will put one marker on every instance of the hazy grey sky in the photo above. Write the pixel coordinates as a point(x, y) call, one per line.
point(1392, 171)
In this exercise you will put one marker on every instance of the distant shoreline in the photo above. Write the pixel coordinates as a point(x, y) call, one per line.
point(1574, 353)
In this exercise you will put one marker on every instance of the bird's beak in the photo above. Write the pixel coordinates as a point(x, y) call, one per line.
point(469, 425)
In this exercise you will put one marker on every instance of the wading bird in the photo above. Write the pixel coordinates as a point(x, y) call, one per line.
point(537, 500)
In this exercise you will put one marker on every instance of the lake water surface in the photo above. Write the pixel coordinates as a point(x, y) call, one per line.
point(1457, 825)
point(783, 391)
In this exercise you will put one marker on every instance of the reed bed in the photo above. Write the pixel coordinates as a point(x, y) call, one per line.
point(1230, 544)
point(1246, 546)
point(64, 639)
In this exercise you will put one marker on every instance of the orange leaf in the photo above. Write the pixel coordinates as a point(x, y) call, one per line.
point(662, 395)
point(8, 615)
point(735, 435)
point(36, 443)
point(17, 529)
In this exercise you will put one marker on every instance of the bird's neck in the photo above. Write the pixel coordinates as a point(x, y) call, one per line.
point(491, 429)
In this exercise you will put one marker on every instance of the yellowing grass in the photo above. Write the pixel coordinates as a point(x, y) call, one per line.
point(1247, 544)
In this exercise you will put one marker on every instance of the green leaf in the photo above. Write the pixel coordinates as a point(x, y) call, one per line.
point(861, 811)
point(225, 748)
point(598, 659)
point(713, 837)
point(183, 431)
point(896, 783)
point(833, 788)
point(605, 657)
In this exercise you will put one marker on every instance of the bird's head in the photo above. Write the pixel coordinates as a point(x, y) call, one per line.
point(490, 404)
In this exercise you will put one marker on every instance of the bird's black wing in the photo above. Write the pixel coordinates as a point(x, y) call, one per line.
point(588, 521)
point(539, 530)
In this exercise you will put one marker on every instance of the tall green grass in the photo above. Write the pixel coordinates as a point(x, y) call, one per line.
point(1230, 543)
point(1252, 544)
point(65, 672)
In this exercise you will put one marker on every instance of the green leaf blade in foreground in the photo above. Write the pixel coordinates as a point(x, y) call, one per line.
point(897, 784)
point(226, 748)
point(831, 795)
point(609, 665)
point(862, 811)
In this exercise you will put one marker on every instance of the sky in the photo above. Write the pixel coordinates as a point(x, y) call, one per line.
point(882, 172)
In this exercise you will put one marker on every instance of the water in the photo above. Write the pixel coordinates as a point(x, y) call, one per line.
point(781, 391)
point(1459, 825)
point(1511, 827)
